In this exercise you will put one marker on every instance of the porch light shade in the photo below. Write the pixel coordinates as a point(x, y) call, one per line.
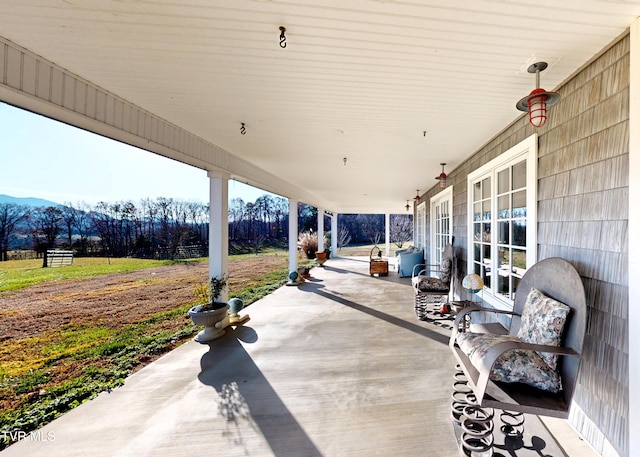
point(442, 180)
point(442, 177)
point(472, 283)
point(537, 102)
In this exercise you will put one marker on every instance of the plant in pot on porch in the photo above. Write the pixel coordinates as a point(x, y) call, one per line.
point(212, 313)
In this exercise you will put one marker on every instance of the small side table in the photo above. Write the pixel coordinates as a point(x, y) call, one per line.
point(379, 267)
point(458, 306)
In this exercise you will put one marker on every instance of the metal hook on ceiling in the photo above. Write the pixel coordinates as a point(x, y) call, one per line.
point(283, 39)
point(243, 129)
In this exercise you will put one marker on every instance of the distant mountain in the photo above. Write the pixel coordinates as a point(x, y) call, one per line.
point(27, 201)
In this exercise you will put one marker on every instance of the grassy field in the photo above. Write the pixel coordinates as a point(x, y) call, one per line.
point(18, 274)
point(46, 374)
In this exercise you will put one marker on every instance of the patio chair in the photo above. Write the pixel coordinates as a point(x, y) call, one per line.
point(407, 259)
point(432, 282)
point(533, 368)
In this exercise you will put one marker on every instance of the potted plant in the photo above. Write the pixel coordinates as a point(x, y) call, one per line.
point(321, 257)
point(211, 311)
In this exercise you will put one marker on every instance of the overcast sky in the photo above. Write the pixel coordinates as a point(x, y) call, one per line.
point(42, 158)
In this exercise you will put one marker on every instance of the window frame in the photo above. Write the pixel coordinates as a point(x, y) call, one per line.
point(525, 150)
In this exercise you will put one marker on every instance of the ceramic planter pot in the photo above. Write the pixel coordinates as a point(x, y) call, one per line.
point(321, 257)
point(208, 319)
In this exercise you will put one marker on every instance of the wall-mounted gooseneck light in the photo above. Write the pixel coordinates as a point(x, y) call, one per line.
point(537, 102)
point(442, 177)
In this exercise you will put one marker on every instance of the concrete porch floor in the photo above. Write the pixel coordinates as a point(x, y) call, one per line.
point(339, 366)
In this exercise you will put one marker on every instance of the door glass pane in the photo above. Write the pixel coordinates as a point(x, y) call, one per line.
point(519, 262)
point(503, 232)
point(486, 233)
point(519, 232)
point(486, 254)
point(477, 231)
point(477, 195)
point(486, 210)
point(503, 181)
point(520, 204)
point(486, 265)
point(520, 175)
point(503, 207)
point(477, 211)
point(504, 271)
point(486, 188)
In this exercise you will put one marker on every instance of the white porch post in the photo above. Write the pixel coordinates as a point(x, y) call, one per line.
point(320, 229)
point(219, 227)
point(634, 242)
point(293, 235)
point(334, 234)
point(387, 237)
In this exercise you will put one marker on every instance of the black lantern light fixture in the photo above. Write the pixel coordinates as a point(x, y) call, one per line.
point(407, 206)
point(537, 102)
point(417, 197)
point(442, 177)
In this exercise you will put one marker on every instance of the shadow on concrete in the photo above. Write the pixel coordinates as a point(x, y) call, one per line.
point(247, 400)
point(423, 331)
point(512, 444)
point(342, 271)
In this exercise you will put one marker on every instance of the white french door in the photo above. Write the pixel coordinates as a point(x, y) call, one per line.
point(441, 223)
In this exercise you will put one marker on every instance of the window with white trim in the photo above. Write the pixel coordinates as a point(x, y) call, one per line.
point(502, 221)
point(441, 223)
point(421, 221)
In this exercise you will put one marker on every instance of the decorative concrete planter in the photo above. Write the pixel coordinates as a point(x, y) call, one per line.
point(214, 321)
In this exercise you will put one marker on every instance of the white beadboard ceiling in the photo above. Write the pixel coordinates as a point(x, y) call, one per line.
point(361, 79)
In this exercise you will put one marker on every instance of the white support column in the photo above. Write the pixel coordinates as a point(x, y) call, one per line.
point(634, 242)
point(219, 227)
point(293, 235)
point(320, 229)
point(387, 237)
point(334, 235)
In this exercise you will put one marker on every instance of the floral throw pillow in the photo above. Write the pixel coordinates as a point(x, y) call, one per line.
point(542, 322)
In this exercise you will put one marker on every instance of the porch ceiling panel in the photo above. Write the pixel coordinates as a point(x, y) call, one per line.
point(361, 79)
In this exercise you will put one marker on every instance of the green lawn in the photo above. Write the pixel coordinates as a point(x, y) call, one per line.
point(18, 274)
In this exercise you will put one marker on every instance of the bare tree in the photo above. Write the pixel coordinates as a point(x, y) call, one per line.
point(344, 238)
point(46, 225)
point(10, 216)
point(237, 209)
point(76, 220)
point(400, 229)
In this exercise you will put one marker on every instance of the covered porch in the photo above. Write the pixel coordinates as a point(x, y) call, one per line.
point(337, 366)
